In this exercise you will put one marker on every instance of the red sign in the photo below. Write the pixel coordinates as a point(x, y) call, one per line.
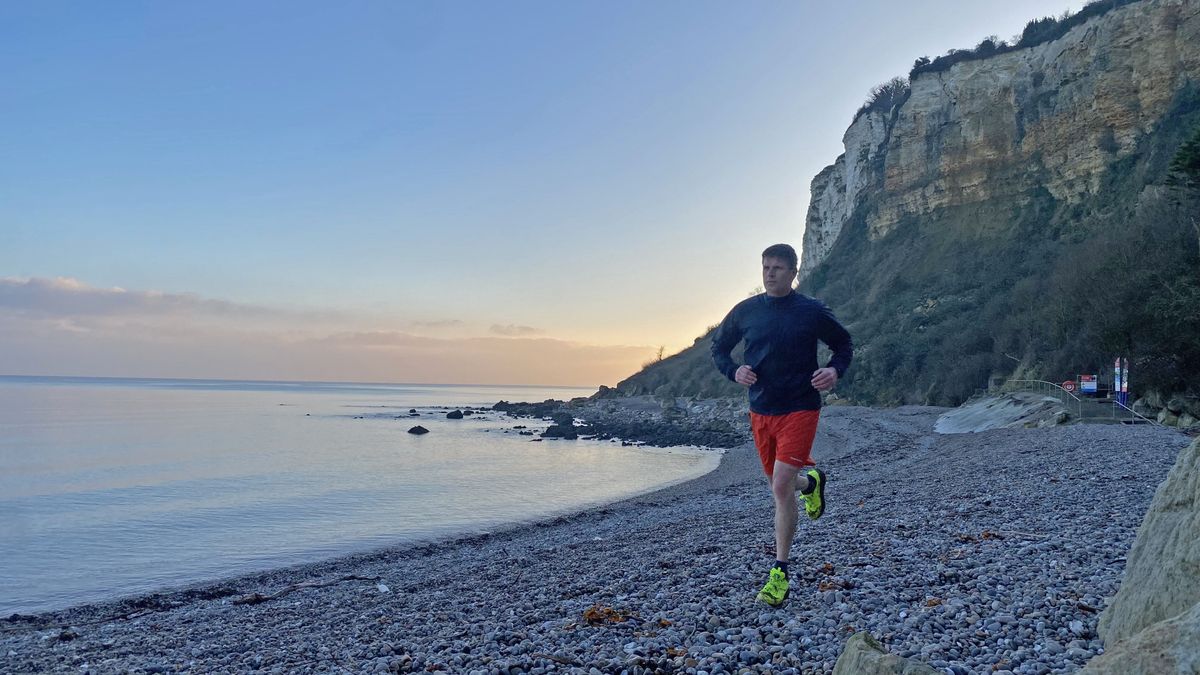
point(1069, 385)
point(1088, 383)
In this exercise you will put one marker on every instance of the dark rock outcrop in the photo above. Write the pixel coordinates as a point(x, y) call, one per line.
point(566, 431)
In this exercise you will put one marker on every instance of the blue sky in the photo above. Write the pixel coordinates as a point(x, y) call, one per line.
point(585, 179)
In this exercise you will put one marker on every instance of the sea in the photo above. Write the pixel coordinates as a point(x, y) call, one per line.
point(119, 487)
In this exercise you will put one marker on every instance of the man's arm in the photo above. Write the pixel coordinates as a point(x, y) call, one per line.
point(726, 337)
point(837, 338)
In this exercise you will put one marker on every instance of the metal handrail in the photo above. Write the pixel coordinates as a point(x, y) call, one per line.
point(1051, 389)
point(1044, 382)
point(1068, 398)
point(1135, 414)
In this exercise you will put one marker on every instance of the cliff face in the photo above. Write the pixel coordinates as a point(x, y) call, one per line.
point(1054, 116)
point(838, 187)
point(1011, 214)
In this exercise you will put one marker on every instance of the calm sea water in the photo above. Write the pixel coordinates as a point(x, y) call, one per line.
point(111, 487)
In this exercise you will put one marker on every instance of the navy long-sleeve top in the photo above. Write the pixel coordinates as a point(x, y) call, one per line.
point(781, 347)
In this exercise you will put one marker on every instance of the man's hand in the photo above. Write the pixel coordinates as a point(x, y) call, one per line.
point(823, 379)
point(745, 376)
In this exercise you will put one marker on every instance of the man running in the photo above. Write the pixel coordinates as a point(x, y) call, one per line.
point(781, 328)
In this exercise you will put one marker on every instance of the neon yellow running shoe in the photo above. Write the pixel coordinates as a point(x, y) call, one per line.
point(814, 500)
point(776, 590)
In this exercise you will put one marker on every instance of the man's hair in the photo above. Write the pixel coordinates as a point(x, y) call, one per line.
point(783, 252)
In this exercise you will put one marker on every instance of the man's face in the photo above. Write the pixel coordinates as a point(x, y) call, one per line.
point(777, 277)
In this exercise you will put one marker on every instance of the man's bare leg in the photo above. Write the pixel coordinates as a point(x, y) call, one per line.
point(783, 488)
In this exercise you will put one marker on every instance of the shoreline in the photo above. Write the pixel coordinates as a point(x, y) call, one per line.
point(731, 463)
point(665, 581)
point(730, 466)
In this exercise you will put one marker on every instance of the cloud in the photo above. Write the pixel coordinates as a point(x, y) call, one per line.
point(67, 297)
point(379, 338)
point(513, 330)
point(88, 308)
point(65, 327)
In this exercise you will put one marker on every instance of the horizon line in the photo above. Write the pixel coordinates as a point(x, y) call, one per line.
point(254, 381)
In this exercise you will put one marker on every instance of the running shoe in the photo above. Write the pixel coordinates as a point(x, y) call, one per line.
point(776, 590)
point(814, 500)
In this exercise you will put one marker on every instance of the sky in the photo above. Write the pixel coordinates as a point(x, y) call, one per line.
point(522, 192)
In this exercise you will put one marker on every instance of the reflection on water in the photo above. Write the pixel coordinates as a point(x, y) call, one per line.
point(118, 486)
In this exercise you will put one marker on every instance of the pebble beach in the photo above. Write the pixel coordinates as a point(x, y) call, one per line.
point(991, 552)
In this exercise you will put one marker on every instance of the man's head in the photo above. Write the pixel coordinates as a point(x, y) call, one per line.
point(779, 269)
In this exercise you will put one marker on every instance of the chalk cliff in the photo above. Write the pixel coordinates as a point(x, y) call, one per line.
point(1054, 116)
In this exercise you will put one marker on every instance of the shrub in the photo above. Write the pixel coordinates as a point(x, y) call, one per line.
point(1037, 31)
point(884, 97)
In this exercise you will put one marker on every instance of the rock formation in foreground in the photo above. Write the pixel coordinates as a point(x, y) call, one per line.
point(1152, 625)
point(863, 655)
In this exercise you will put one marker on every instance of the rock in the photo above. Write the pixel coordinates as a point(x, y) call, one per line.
point(454, 415)
point(1165, 648)
point(1154, 400)
point(1018, 409)
point(542, 409)
point(1176, 404)
point(1143, 408)
point(1187, 421)
point(1167, 418)
point(418, 430)
point(561, 431)
point(1162, 575)
point(863, 655)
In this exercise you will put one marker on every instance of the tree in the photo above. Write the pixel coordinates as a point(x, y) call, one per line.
point(1184, 173)
point(1185, 165)
point(988, 46)
point(886, 96)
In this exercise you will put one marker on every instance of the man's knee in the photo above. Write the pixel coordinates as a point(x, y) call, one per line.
point(783, 485)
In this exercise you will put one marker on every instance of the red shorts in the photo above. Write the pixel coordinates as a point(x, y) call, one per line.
point(786, 438)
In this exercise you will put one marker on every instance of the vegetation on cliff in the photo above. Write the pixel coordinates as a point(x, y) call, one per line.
point(1042, 288)
point(1035, 287)
point(1036, 32)
point(1185, 166)
point(884, 97)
